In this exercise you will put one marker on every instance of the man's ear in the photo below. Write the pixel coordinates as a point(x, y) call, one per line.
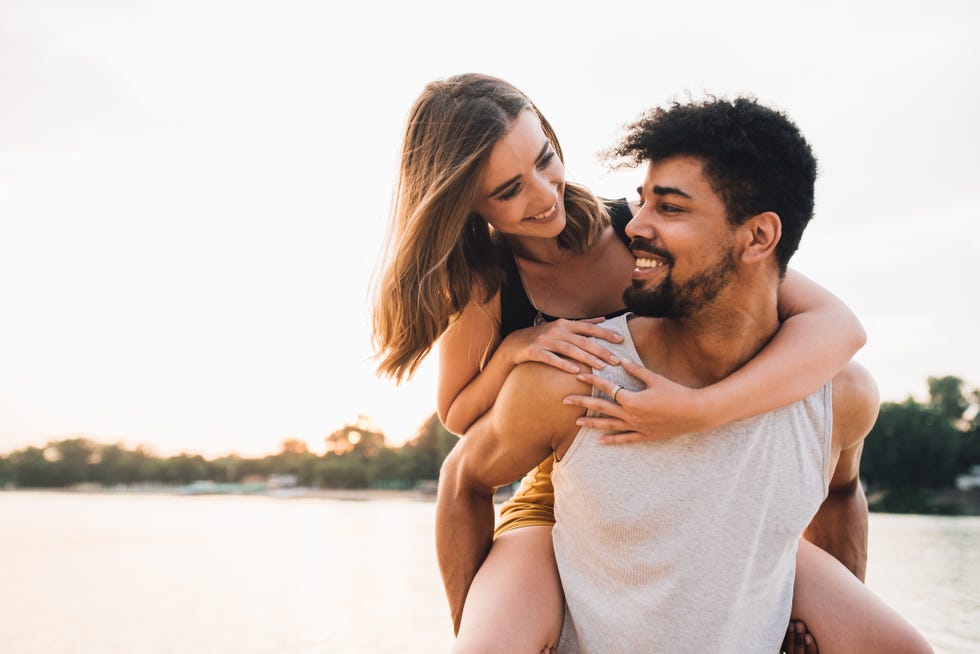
point(759, 235)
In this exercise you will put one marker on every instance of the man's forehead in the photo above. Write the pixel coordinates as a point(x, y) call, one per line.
point(682, 174)
point(679, 168)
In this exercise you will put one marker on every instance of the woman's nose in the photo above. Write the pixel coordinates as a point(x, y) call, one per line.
point(545, 187)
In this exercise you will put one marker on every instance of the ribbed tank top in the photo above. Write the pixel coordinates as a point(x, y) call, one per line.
point(687, 544)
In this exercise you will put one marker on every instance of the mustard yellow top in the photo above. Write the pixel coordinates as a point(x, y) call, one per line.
point(533, 505)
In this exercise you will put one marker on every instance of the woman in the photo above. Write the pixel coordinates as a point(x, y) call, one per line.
point(488, 243)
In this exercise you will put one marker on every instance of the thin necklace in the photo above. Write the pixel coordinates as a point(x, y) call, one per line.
point(539, 319)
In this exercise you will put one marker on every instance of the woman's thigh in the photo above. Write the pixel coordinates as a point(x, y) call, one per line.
point(843, 614)
point(515, 603)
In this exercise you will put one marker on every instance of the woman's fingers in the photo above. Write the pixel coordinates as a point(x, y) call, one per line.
point(558, 362)
point(601, 332)
point(604, 423)
point(604, 385)
point(623, 437)
point(641, 373)
point(570, 339)
point(581, 333)
point(577, 340)
point(588, 352)
point(595, 404)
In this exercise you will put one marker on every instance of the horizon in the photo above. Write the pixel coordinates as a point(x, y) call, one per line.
point(314, 447)
point(188, 235)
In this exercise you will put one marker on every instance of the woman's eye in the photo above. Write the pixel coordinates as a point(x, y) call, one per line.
point(546, 160)
point(514, 190)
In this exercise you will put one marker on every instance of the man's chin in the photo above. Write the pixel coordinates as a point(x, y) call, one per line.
point(649, 304)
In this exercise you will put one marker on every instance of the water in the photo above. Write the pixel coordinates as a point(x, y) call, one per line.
point(84, 574)
point(928, 569)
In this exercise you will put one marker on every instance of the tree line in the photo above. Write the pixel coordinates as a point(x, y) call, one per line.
point(918, 449)
point(357, 456)
point(915, 449)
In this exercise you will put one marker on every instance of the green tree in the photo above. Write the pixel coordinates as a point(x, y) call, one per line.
point(73, 460)
point(294, 458)
point(970, 451)
point(428, 449)
point(294, 446)
point(31, 469)
point(975, 407)
point(911, 446)
point(960, 408)
point(393, 468)
point(341, 471)
point(362, 437)
point(946, 396)
point(185, 468)
point(114, 464)
point(149, 467)
point(226, 469)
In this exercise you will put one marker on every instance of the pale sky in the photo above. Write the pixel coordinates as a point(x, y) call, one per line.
point(194, 193)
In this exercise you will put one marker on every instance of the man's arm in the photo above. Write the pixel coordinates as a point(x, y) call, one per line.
point(524, 426)
point(841, 525)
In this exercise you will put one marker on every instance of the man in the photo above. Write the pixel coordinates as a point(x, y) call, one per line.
point(686, 544)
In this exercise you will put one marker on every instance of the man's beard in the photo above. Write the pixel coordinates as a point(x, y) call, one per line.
point(673, 300)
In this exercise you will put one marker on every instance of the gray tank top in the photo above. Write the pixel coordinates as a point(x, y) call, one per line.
point(687, 544)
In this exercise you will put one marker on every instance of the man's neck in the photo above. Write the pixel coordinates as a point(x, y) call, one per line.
point(707, 347)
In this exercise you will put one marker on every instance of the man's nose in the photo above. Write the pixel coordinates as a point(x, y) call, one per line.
point(642, 224)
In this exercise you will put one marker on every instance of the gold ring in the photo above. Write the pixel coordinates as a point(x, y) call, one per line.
point(616, 390)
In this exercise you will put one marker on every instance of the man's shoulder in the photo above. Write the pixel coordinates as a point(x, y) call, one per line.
point(854, 384)
point(545, 381)
point(530, 404)
point(856, 403)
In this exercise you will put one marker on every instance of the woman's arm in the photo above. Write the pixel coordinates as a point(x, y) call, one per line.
point(465, 391)
point(819, 334)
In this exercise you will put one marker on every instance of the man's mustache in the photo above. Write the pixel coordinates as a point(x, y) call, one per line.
point(645, 245)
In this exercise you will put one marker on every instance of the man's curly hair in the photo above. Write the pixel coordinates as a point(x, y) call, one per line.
point(754, 157)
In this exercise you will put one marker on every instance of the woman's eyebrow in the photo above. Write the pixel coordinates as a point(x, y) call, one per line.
point(544, 150)
point(502, 187)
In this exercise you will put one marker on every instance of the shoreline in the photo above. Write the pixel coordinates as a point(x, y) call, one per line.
point(422, 494)
point(951, 503)
point(359, 494)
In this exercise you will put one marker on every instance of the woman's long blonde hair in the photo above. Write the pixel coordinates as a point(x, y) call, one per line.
point(438, 251)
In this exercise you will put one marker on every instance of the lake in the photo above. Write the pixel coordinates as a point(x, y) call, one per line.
point(97, 573)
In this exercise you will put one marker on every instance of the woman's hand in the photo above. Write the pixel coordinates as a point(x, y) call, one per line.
point(663, 409)
point(561, 343)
